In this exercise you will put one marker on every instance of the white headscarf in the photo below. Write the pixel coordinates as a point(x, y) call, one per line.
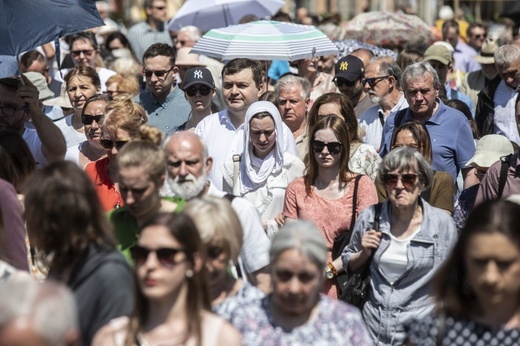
point(251, 178)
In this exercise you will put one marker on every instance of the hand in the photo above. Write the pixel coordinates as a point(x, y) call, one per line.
point(370, 242)
point(280, 219)
point(28, 93)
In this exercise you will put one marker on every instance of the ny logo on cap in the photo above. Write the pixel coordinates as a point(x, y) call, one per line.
point(343, 66)
point(197, 74)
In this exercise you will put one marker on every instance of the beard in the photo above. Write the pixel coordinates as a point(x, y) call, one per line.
point(191, 186)
point(374, 98)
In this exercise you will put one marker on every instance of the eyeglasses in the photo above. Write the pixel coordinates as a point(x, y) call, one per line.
point(372, 82)
point(340, 82)
point(9, 111)
point(108, 144)
point(159, 74)
point(408, 180)
point(203, 90)
point(160, 8)
point(411, 145)
point(167, 257)
point(86, 52)
point(88, 119)
point(333, 147)
point(214, 252)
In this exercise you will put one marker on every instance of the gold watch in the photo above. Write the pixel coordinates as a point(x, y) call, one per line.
point(330, 271)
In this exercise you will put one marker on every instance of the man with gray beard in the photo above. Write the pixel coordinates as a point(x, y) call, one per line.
point(188, 169)
point(383, 84)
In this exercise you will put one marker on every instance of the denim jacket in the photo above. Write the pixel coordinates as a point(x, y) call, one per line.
point(390, 307)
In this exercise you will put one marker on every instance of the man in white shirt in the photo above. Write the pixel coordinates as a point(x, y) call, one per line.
point(188, 169)
point(496, 111)
point(19, 104)
point(382, 82)
point(223, 132)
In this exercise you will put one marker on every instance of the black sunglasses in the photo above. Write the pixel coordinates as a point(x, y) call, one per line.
point(214, 252)
point(333, 147)
point(167, 257)
point(408, 180)
point(203, 90)
point(342, 81)
point(158, 74)
point(88, 119)
point(372, 82)
point(108, 144)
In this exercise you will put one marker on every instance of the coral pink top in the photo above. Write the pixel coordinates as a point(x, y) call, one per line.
point(331, 216)
point(107, 192)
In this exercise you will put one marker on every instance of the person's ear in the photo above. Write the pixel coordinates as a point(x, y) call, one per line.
point(209, 164)
point(198, 262)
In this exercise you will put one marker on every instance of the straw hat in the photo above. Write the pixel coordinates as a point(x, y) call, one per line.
point(62, 100)
point(185, 58)
point(487, 53)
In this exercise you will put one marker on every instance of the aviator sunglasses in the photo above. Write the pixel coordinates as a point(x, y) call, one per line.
point(167, 257)
point(333, 147)
point(408, 180)
point(203, 90)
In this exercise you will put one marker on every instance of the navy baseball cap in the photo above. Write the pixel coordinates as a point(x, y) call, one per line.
point(350, 68)
point(198, 75)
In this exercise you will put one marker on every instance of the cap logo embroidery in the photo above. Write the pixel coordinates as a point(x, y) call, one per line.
point(343, 66)
point(197, 74)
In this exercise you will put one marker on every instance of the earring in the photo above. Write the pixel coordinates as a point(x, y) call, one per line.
point(189, 273)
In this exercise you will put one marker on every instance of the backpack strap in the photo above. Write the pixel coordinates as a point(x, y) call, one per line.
point(504, 167)
point(354, 200)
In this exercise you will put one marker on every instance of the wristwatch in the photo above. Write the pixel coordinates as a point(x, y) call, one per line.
point(330, 271)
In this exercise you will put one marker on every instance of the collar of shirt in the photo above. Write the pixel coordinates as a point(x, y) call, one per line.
point(224, 119)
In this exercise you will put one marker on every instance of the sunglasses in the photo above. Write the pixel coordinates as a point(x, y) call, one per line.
point(160, 8)
point(86, 52)
point(372, 82)
point(408, 180)
point(167, 257)
point(480, 36)
point(203, 90)
point(214, 252)
point(88, 119)
point(158, 74)
point(108, 144)
point(340, 82)
point(333, 147)
point(415, 146)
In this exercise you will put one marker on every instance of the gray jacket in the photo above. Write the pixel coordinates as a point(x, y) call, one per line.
point(390, 307)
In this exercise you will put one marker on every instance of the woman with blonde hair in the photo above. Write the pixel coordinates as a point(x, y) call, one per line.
point(121, 87)
point(221, 233)
point(121, 125)
point(141, 168)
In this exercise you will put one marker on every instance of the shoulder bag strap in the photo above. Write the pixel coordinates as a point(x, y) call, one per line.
point(354, 201)
point(378, 207)
point(504, 160)
point(236, 164)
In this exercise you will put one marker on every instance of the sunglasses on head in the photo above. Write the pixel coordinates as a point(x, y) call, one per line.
point(167, 257)
point(158, 74)
point(408, 180)
point(108, 144)
point(372, 82)
point(203, 90)
point(88, 119)
point(342, 81)
point(333, 147)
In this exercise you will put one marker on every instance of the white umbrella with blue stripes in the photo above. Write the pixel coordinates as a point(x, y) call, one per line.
point(265, 40)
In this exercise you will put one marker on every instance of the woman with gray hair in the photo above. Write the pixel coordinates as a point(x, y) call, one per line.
point(295, 313)
point(414, 238)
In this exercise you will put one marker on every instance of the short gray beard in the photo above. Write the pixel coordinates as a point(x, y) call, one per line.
point(188, 190)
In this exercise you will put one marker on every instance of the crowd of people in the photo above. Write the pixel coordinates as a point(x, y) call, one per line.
point(153, 196)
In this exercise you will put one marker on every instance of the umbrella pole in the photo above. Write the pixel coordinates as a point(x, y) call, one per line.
point(20, 69)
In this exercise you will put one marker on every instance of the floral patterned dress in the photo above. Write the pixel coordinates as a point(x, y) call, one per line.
point(335, 323)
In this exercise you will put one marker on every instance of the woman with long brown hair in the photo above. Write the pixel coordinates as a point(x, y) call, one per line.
point(325, 194)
